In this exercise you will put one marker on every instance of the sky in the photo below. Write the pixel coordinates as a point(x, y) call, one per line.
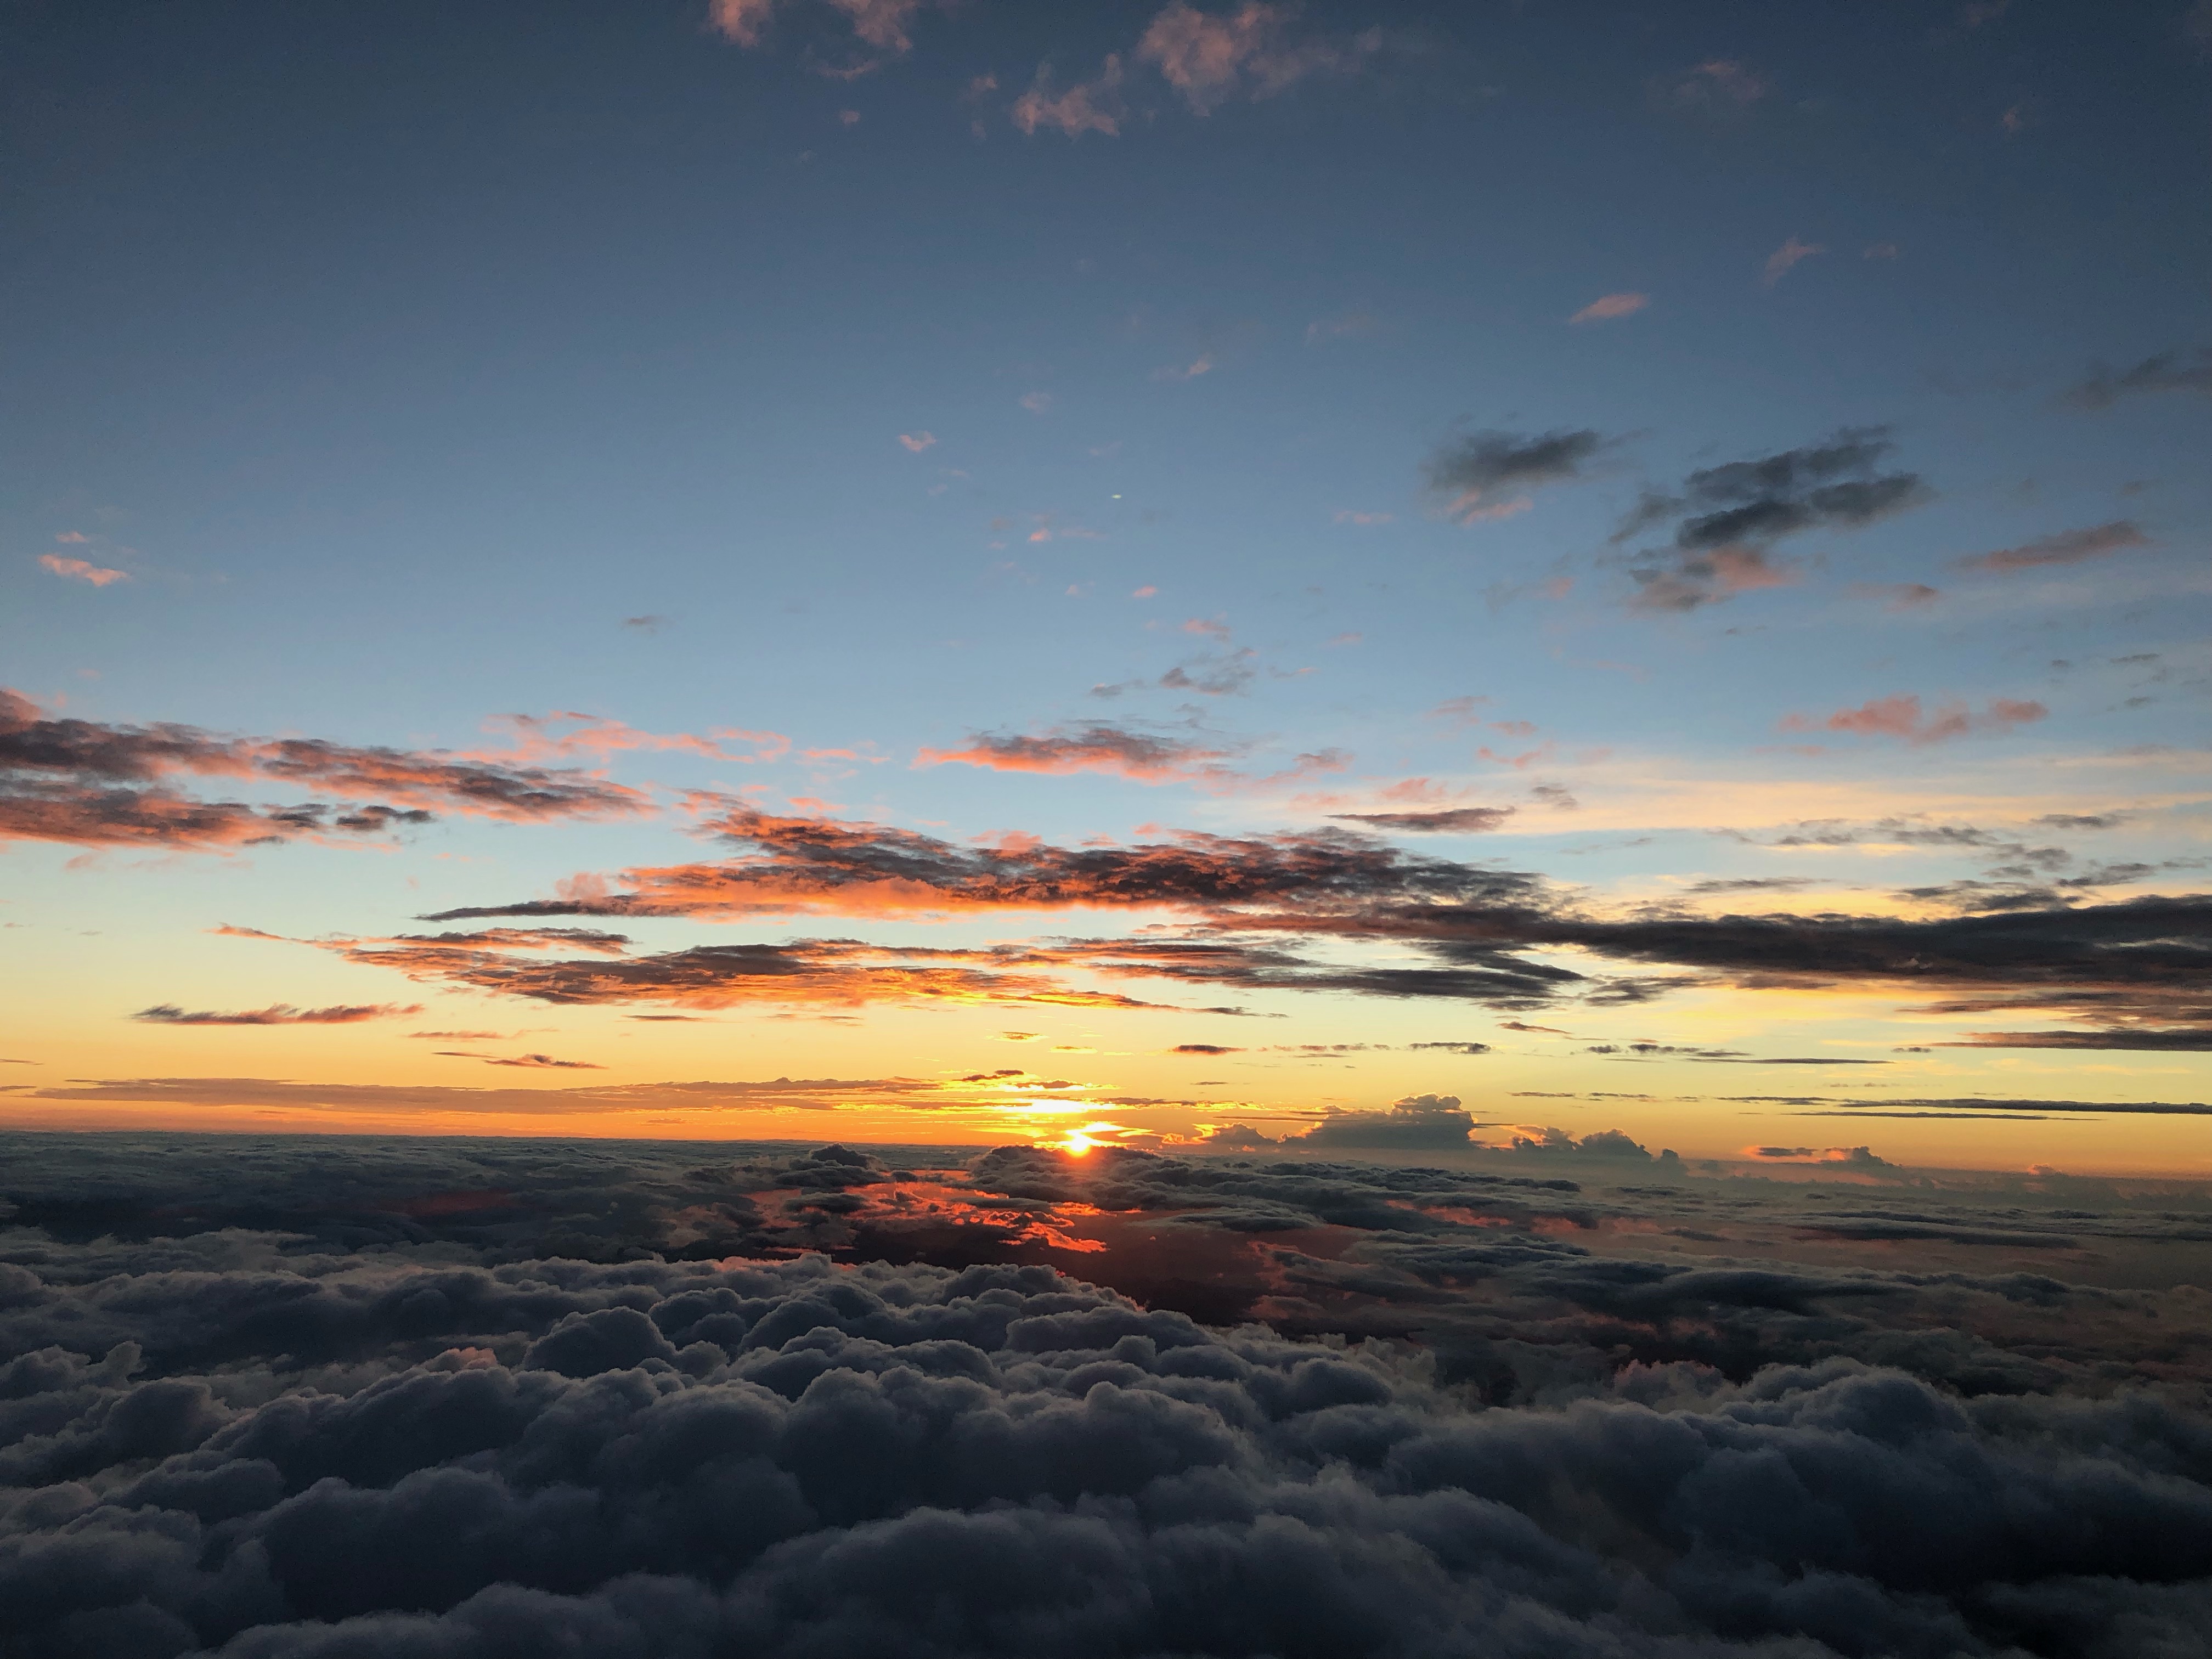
point(1408, 577)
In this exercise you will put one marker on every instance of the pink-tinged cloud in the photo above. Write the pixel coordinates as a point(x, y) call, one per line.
point(1097, 748)
point(2064, 547)
point(1902, 716)
point(915, 442)
point(73, 537)
point(1348, 517)
point(1211, 627)
point(880, 23)
point(1610, 305)
point(1210, 59)
point(1035, 402)
point(90, 784)
point(1721, 574)
point(1468, 508)
point(1879, 251)
point(538, 738)
point(1148, 591)
point(745, 21)
point(82, 570)
point(1088, 106)
point(1788, 257)
point(278, 1013)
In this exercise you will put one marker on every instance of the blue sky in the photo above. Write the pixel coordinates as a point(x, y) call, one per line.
point(755, 369)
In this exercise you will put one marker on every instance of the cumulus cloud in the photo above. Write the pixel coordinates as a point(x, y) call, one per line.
point(1093, 106)
point(2062, 547)
point(1729, 518)
point(91, 784)
point(2164, 371)
point(1417, 1123)
point(275, 1455)
point(1902, 716)
point(1244, 52)
point(1469, 472)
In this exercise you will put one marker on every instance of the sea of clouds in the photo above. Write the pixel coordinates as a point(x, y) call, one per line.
point(378, 1399)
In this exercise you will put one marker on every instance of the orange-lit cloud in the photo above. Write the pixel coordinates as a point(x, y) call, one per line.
point(82, 570)
point(2065, 547)
point(1099, 747)
point(1902, 716)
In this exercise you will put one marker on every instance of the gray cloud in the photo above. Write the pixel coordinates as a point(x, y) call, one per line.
point(1729, 518)
point(1469, 472)
point(2164, 371)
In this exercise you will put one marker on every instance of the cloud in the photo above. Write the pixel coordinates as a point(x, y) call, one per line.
point(882, 24)
point(1202, 1048)
point(1729, 518)
point(278, 1013)
point(91, 784)
point(1349, 517)
point(845, 972)
point(1458, 820)
point(915, 442)
point(1467, 1049)
point(1608, 307)
point(1901, 716)
point(1242, 52)
point(631, 1402)
point(2165, 371)
point(1469, 471)
point(82, 570)
point(1417, 1123)
point(1786, 259)
point(1098, 747)
point(1088, 106)
point(2107, 966)
point(1718, 85)
point(2062, 547)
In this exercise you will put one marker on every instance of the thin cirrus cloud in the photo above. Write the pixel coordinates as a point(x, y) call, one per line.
point(1471, 471)
point(1787, 258)
point(1452, 821)
point(82, 570)
point(2164, 371)
point(1902, 716)
point(1140, 757)
point(1729, 518)
point(2063, 547)
point(1608, 307)
point(278, 1013)
point(1719, 86)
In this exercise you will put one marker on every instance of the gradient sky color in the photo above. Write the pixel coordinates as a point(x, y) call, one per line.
point(1141, 567)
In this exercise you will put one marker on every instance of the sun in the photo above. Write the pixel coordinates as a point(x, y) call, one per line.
point(1077, 1144)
